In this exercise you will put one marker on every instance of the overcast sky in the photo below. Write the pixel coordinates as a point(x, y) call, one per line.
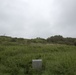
point(38, 18)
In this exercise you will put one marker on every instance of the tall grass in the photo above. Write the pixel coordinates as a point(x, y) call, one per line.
point(57, 59)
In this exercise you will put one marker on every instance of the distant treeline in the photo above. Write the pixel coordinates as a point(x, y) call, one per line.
point(57, 39)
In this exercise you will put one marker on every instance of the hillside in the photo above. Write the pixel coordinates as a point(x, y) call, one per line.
point(57, 39)
point(16, 55)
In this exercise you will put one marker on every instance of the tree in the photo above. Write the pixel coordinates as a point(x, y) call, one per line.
point(55, 39)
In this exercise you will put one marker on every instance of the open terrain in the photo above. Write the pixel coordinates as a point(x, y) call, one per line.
point(57, 59)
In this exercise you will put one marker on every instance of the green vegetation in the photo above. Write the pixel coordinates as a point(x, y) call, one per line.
point(16, 56)
point(57, 39)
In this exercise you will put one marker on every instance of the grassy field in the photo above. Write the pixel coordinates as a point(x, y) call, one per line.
point(57, 59)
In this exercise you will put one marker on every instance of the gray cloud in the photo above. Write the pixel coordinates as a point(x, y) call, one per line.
point(37, 18)
point(67, 18)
